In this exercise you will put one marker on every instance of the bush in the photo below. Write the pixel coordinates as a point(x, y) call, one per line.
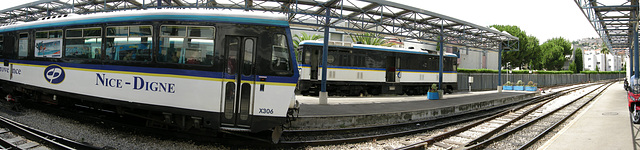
point(603, 72)
point(519, 83)
point(554, 72)
point(434, 88)
point(508, 83)
point(531, 84)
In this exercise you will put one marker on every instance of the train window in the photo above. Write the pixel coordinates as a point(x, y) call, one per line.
point(43, 34)
point(47, 45)
point(307, 56)
point(117, 31)
point(178, 47)
point(280, 56)
point(206, 32)
point(248, 57)
point(83, 43)
point(129, 43)
point(23, 45)
point(74, 33)
point(173, 31)
point(55, 34)
point(140, 31)
point(92, 32)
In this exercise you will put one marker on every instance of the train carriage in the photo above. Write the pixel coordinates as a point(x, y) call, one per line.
point(178, 68)
point(357, 69)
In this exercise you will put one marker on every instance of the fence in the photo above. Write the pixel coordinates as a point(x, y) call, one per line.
point(489, 81)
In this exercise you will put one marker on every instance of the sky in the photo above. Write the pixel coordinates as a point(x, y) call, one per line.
point(544, 19)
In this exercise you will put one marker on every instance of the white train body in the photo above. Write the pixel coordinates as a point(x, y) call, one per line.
point(208, 70)
point(356, 69)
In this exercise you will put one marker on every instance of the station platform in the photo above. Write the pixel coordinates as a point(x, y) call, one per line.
point(604, 125)
point(348, 112)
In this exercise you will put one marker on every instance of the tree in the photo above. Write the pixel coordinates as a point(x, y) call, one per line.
point(528, 47)
point(553, 52)
point(578, 59)
point(370, 39)
point(605, 51)
point(573, 68)
point(532, 58)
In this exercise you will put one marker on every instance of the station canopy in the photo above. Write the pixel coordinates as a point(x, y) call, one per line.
point(615, 21)
point(385, 18)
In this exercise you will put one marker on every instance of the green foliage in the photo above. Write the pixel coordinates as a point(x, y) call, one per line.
point(434, 88)
point(508, 83)
point(605, 51)
point(531, 84)
point(603, 72)
point(370, 39)
point(460, 70)
point(553, 52)
point(477, 70)
point(304, 36)
point(555, 72)
point(572, 67)
point(528, 47)
point(519, 83)
point(578, 60)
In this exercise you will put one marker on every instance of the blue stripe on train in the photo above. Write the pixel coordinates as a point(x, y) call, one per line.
point(157, 18)
point(163, 71)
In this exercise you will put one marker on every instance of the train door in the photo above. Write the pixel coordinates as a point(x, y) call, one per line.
point(315, 60)
point(391, 68)
point(239, 78)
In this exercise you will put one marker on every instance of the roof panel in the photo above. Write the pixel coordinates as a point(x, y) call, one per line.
point(377, 16)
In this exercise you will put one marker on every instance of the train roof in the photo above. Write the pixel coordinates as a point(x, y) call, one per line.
point(168, 14)
point(378, 48)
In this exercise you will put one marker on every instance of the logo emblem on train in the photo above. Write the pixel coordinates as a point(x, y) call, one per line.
point(54, 74)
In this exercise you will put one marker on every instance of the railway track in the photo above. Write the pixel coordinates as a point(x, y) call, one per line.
point(488, 131)
point(323, 137)
point(527, 134)
point(14, 135)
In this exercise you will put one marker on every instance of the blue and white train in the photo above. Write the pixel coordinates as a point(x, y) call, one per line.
point(185, 69)
point(356, 69)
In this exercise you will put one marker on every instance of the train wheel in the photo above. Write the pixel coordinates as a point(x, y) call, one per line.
point(635, 115)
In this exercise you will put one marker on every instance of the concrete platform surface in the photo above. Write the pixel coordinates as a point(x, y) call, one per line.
point(346, 106)
point(604, 125)
point(347, 112)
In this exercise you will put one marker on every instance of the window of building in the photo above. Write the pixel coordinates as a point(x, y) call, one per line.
point(23, 45)
point(280, 55)
point(186, 44)
point(129, 43)
point(48, 44)
point(83, 43)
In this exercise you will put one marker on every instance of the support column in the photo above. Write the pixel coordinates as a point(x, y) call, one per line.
point(325, 51)
point(500, 68)
point(636, 66)
point(441, 58)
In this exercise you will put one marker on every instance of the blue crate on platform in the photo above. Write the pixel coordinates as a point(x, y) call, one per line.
point(433, 95)
point(507, 87)
point(518, 88)
point(530, 88)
